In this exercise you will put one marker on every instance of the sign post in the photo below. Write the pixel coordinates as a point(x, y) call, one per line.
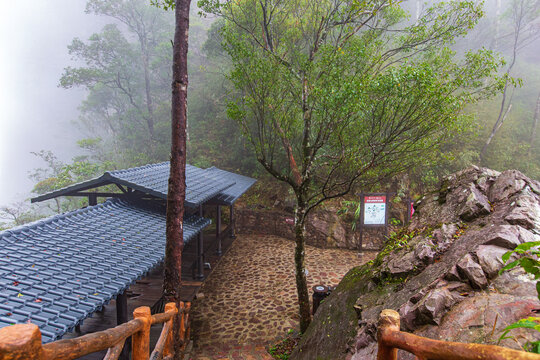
point(373, 212)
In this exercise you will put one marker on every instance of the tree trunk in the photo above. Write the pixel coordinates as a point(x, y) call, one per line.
point(177, 179)
point(149, 104)
point(299, 261)
point(496, 128)
point(504, 112)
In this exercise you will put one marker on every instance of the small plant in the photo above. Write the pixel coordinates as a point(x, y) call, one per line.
point(283, 349)
point(353, 207)
point(528, 260)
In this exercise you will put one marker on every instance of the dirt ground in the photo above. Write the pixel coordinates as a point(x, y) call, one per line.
point(249, 301)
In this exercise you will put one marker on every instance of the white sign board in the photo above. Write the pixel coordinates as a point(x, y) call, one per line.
point(375, 210)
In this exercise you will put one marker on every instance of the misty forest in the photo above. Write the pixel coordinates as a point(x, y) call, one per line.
point(276, 179)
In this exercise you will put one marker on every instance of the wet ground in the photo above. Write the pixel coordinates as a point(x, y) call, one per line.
point(249, 301)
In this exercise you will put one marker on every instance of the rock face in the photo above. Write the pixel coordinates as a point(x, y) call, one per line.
point(442, 273)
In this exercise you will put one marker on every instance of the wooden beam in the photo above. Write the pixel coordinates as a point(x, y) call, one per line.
point(92, 199)
point(121, 188)
point(97, 194)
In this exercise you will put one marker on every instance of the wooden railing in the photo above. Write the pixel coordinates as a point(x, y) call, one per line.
point(390, 339)
point(23, 341)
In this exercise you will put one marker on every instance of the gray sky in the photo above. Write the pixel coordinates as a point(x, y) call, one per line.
point(35, 113)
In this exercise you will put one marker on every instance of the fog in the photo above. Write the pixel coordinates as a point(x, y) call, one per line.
point(35, 113)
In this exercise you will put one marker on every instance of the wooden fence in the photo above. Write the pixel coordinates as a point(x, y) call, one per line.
point(23, 341)
point(390, 339)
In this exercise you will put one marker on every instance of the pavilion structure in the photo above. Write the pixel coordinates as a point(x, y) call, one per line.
point(57, 271)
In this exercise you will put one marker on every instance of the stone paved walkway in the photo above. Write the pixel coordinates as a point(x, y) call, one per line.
point(249, 300)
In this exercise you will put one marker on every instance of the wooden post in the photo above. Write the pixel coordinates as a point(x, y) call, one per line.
point(169, 348)
point(218, 230)
point(20, 342)
point(200, 250)
point(121, 308)
point(361, 222)
point(386, 213)
point(388, 321)
point(231, 221)
point(92, 199)
point(141, 339)
point(122, 317)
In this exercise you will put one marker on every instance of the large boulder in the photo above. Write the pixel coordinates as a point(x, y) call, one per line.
point(443, 276)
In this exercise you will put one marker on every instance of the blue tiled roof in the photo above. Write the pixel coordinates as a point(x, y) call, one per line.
point(231, 194)
point(153, 179)
point(58, 271)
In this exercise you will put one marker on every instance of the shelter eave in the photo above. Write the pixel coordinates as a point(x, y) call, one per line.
point(72, 189)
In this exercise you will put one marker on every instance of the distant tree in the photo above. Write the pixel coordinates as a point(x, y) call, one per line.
point(336, 93)
point(57, 175)
point(524, 16)
point(17, 213)
point(126, 71)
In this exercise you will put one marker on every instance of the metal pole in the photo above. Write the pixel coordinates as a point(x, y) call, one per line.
point(233, 235)
point(200, 247)
point(218, 230)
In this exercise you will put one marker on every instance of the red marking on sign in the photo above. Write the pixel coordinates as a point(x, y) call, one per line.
point(375, 199)
point(289, 221)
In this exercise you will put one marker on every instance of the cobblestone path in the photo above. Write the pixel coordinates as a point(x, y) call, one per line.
point(249, 300)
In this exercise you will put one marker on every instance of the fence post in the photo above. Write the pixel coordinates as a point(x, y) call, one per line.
point(388, 321)
point(169, 344)
point(141, 339)
point(20, 342)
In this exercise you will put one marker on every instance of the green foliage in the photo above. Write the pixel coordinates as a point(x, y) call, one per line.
point(57, 175)
point(364, 92)
point(353, 207)
point(528, 260)
point(125, 69)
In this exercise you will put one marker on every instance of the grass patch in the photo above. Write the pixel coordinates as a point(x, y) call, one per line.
point(282, 350)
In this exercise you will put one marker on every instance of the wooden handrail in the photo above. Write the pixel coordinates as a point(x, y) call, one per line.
point(90, 343)
point(23, 341)
point(390, 339)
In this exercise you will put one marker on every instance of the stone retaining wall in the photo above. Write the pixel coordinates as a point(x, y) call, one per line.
point(325, 229)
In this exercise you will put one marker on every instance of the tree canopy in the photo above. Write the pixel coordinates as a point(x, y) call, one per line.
point(332, 93)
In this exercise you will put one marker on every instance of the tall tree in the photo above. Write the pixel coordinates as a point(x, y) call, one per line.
point(177, 178)
point(334, 93)
point(523, 15)
point(126, 69)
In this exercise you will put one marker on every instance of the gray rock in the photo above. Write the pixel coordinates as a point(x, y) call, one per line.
point(506, 236)
point(444, 236)
point(402, 264)
point(470, 269)
point(506, 185)
point(433, 306)
point(525, 212)
point(475, 205)
point(489, 258)
point(526, 235)
point(453, 274)
point(425, 252)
